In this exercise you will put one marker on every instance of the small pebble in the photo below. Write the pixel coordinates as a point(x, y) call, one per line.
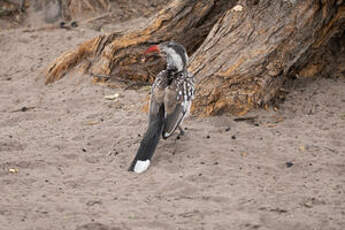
point(84, 150)
point(208, 137)
point(227, 129)
point(112, 97)
point(289, 164)
point(233, 137)
point(238, 8)
point(13, 170)
point(74, 24)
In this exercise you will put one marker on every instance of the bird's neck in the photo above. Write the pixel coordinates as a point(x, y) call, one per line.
point(174, 63)
point(173, 71)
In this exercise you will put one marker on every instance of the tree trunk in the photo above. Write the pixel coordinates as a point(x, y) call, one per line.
point(241, 55)
point(119, 54)
point(251, 51)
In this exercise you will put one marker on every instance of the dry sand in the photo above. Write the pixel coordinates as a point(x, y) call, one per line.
point(64, 157)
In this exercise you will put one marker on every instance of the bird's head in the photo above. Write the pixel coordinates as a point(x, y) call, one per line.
point(174, 53)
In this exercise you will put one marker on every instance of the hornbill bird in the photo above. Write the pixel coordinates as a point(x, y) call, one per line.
point(171, 98)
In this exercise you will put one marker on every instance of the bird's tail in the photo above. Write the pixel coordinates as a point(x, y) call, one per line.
point(149, 143)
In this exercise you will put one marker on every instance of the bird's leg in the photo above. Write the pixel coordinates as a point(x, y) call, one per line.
point(181, 130)
point(178, 137)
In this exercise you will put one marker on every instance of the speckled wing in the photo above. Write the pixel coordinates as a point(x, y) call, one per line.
point(157, 93)
point(177, 102)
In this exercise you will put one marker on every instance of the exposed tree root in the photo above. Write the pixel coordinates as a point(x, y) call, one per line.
point(249, 51)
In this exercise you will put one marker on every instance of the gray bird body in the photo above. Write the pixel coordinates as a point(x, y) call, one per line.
point(174, 91)
point(171, 98)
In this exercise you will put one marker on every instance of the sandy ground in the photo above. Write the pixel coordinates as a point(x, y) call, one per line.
point(65, 150)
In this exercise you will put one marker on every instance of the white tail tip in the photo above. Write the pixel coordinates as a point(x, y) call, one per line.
point(141, 166)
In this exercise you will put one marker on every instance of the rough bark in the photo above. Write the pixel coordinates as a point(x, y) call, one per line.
point(264, 42)
point(11, 7)
point(119, 54)
point(250, 51)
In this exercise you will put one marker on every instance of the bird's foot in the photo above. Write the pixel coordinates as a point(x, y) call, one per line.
point(181, 131)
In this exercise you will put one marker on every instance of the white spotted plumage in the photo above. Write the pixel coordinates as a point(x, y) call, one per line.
point(171, 98)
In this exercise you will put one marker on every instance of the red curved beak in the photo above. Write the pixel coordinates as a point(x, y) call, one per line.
point(154, 48)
